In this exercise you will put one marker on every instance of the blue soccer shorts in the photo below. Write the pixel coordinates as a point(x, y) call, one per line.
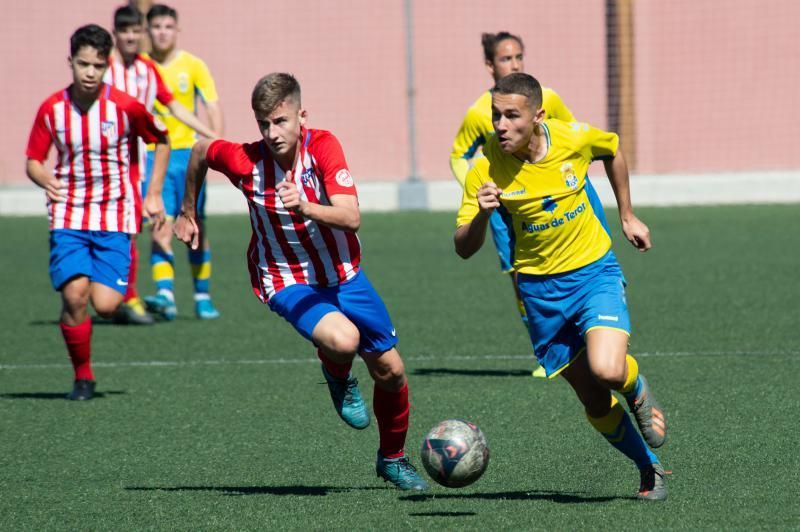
point(562, 308)
point(175, 183)
point(102, 256)
point(499, 222)
point(304, 306)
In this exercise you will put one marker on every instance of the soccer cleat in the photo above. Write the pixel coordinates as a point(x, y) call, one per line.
point(132, 313)
point(652, 487)
point(347, 400)
point(204, 309)
point(162, 305)
point(539, 373)
point(649, 416)
point(82, 390)
point(400, 472)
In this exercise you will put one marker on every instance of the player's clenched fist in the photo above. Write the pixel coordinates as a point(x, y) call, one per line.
point(289, 195)
point(489, 197)
point(187, 230)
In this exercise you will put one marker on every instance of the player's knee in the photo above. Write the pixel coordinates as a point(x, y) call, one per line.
point(390, 376)
point(105, 309)
point(610, 373)
point(344, 340)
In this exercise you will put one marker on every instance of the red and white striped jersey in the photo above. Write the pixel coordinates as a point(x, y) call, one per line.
point(286, 248)
point(140, 79)
point(97, 159)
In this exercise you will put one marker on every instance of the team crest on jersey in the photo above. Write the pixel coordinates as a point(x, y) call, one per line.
point(183, 82)
point(108, 128)
point(306, 176)
point(344, 178)
point(570, 178)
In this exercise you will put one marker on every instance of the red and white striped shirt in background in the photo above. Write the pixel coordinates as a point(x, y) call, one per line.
point(141, 80)
point(286, 248)
point(98, 159)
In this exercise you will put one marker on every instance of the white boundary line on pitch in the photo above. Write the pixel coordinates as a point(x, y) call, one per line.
point(226, 362)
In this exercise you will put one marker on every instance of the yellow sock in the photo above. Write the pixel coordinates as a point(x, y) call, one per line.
point(633, 374)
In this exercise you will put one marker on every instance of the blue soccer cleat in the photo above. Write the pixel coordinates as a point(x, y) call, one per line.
point(347, 400)
point(400, 472)
point(162, 305)
point(204, 309)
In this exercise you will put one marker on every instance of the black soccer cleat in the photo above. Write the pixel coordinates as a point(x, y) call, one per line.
point(82, 390)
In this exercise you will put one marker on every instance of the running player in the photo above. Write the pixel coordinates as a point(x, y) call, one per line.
point(569, 279)
point(189, 80)
point(138, 76)
point(93, 202)
point(304, 258)
point(503, 54)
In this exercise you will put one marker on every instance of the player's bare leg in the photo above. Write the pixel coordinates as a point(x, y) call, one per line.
point(391, 406)
point(337, 340)
point(608, 417)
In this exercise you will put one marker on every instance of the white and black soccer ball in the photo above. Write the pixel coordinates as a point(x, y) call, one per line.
point(455, 453)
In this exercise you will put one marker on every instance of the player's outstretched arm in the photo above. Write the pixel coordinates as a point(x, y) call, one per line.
point(37, 173)
point(470, 236)
point(186, 227)
point(153, 203)
point(190, 119)
point(634, 229)
point(342, 213)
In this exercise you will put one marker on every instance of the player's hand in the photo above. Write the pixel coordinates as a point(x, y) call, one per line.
point(489, 197)
point(187, 230)
point(637, 233)
point(54, 189)
point(289, 195)
point(153, 209)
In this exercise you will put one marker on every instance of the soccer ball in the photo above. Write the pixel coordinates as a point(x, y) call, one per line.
point(455, 453)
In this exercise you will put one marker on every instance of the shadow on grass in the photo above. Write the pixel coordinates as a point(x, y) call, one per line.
point(441, 514)
point(308, 491)
point(433, 372)
point(49, 396)
point(534, 495)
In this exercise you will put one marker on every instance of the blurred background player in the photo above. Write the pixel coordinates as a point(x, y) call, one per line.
point(189, 80)
point(304, 259)
point(569, 279)
point(503, 54)
point(93, 200)
point(138, 76)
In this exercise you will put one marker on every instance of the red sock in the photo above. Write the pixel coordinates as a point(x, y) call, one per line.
point(131, 293)
point(79, 346)
point(340, 371)
point(391, 410)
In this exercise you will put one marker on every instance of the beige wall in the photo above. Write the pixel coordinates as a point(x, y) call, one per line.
point(701, 73)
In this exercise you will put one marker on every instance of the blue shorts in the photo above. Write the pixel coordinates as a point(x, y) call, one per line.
point(503, 234)
point(102, 256)
point(562, 308)
point(303, 306)
point(175, 183)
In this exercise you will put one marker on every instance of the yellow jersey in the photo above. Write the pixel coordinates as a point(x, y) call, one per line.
point(188, 77)
point(557, 225)
point(477, 127)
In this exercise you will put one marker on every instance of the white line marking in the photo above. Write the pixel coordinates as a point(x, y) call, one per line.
point(419, 358)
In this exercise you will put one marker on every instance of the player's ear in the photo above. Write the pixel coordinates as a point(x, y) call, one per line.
point(538, 116)
point(302, 115)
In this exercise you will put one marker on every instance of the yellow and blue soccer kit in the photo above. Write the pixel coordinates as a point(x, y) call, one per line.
point(189, 79)
point(569, 280)
point(568, 277)
point(475, 130)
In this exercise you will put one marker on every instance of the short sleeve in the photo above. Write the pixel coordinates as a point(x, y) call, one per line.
point(203, 82)
point(332, 166)
point(41, 138)
point(230, 159)
point(555, 107)
point(143, 124)
point(594, 144)
point(469, 200)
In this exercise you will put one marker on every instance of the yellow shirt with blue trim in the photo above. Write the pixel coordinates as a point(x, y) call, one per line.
point(555, 227)
point(188, 77)
point(477, 127)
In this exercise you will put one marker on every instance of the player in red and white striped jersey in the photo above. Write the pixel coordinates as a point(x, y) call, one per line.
point(138, 76)
point(93, 200)
point(304, 258)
